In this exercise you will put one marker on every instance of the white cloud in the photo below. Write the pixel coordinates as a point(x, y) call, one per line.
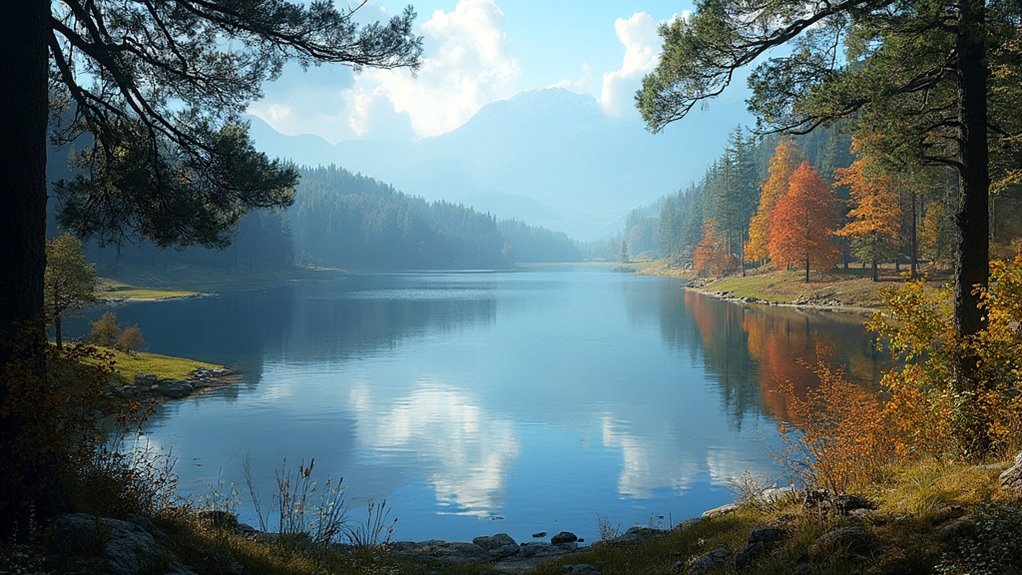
point(639, 36)
point(466, 65)
point(579, 85)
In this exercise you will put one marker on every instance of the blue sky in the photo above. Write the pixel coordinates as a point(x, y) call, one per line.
point(476, 52)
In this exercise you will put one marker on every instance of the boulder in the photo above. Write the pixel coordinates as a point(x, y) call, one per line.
point(956, 528)
point(706, 562)
point(853, 540)
point(563, 537)
point(1011, 478)
point(145, 379)
point(174, 388)
point(718, 511)
point(760, 542)
point(498, 546)
point(491, 542)
point(89, 544)
point(767, 535)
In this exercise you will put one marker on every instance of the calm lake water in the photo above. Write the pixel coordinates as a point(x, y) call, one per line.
point(477, 403)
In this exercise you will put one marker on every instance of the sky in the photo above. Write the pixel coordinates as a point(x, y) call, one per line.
point(476, 52)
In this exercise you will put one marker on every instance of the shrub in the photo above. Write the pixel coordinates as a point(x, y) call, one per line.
point(131, 339)
point(105, 330)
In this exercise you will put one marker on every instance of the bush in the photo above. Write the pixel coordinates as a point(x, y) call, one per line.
point(105, 330)
point(131, 339)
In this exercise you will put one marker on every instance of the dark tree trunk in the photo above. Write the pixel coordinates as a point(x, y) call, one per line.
point(807, 269)
point(972, 220)
point(915, 235)
point(23, 118)
point(876, 274)
point(57, 331)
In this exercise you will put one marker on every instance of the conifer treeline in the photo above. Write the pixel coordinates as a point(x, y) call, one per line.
point(808, 202)
point(353, 221)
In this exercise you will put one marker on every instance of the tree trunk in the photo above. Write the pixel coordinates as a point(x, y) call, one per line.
point(807, 269)
point(876, 274)
point(972, 220)
point(23, 117)
point(915, 235)
point(57, 329)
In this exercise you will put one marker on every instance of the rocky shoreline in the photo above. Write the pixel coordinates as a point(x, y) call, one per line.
point(152, 386)
point(821, 303)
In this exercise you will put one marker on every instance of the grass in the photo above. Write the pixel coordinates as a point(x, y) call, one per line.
point(111, 289)
point(904, 531)
point(194, 279)
point(127, 365)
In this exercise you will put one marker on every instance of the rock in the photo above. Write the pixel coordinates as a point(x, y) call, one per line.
point(145, 379)
point(846, 503)
point(852, 540)
point(750, 552)
point(948, 512)
point(767, 535)
point(90, 544)
point(1011, 478)
point(718, 511)
point(956, 528)
point(563, 537)
point(491, 542)
point(458, 553)
point(174, 388)
point(539, 535)
point(776, 494)
point(707, 561)
point(581, 568)
point(498, 546)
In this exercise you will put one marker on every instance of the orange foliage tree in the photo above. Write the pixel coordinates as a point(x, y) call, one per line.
point(785, 160)
point(875, 219)
point(803, 221)
point(711, 256)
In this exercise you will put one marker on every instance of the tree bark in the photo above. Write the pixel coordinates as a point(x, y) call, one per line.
point(23, 119)
point(807, 269)
point(972, 219)
point(876, 274)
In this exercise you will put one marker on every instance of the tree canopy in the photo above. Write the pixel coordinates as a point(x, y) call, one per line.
point(70, 280)
point(151, 93)
point(940, 77)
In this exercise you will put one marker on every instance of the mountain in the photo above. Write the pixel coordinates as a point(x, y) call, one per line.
point(547, 157)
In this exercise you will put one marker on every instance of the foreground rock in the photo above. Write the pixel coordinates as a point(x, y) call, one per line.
point(83, 543)
point(499, 550)
point(1011, 478)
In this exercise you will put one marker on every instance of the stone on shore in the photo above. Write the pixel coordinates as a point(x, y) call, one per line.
point(563, 537)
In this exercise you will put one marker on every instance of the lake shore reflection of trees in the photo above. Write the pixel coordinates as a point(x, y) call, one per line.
point(753, 349)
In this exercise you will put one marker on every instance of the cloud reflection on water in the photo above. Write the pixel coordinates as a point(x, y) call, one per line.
point(466, 452)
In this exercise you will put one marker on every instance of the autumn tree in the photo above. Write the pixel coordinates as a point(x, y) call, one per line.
point(876, 213)
point(802, 223)
point(70, 280)
point(783, 163)
point(712, 256)
point(938, 79)
point(152, 93)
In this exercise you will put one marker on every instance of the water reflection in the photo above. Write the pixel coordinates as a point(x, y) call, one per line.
point(543, 397)
point(467, 451)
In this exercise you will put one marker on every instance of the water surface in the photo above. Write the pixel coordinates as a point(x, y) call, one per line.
point(477, 403)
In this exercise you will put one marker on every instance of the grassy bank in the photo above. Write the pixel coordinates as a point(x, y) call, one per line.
point(128, 365)
point(133, 282)
point(848, 288)
point(114, 290)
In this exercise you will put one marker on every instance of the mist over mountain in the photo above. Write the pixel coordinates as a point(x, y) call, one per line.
point(547, 157)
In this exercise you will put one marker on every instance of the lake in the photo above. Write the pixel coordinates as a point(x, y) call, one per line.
point(477, 402)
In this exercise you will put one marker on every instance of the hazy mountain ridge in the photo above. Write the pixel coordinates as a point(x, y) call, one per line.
point(548, 157)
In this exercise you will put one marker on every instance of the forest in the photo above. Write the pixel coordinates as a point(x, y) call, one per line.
point(345, 220)
point(873, 213)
